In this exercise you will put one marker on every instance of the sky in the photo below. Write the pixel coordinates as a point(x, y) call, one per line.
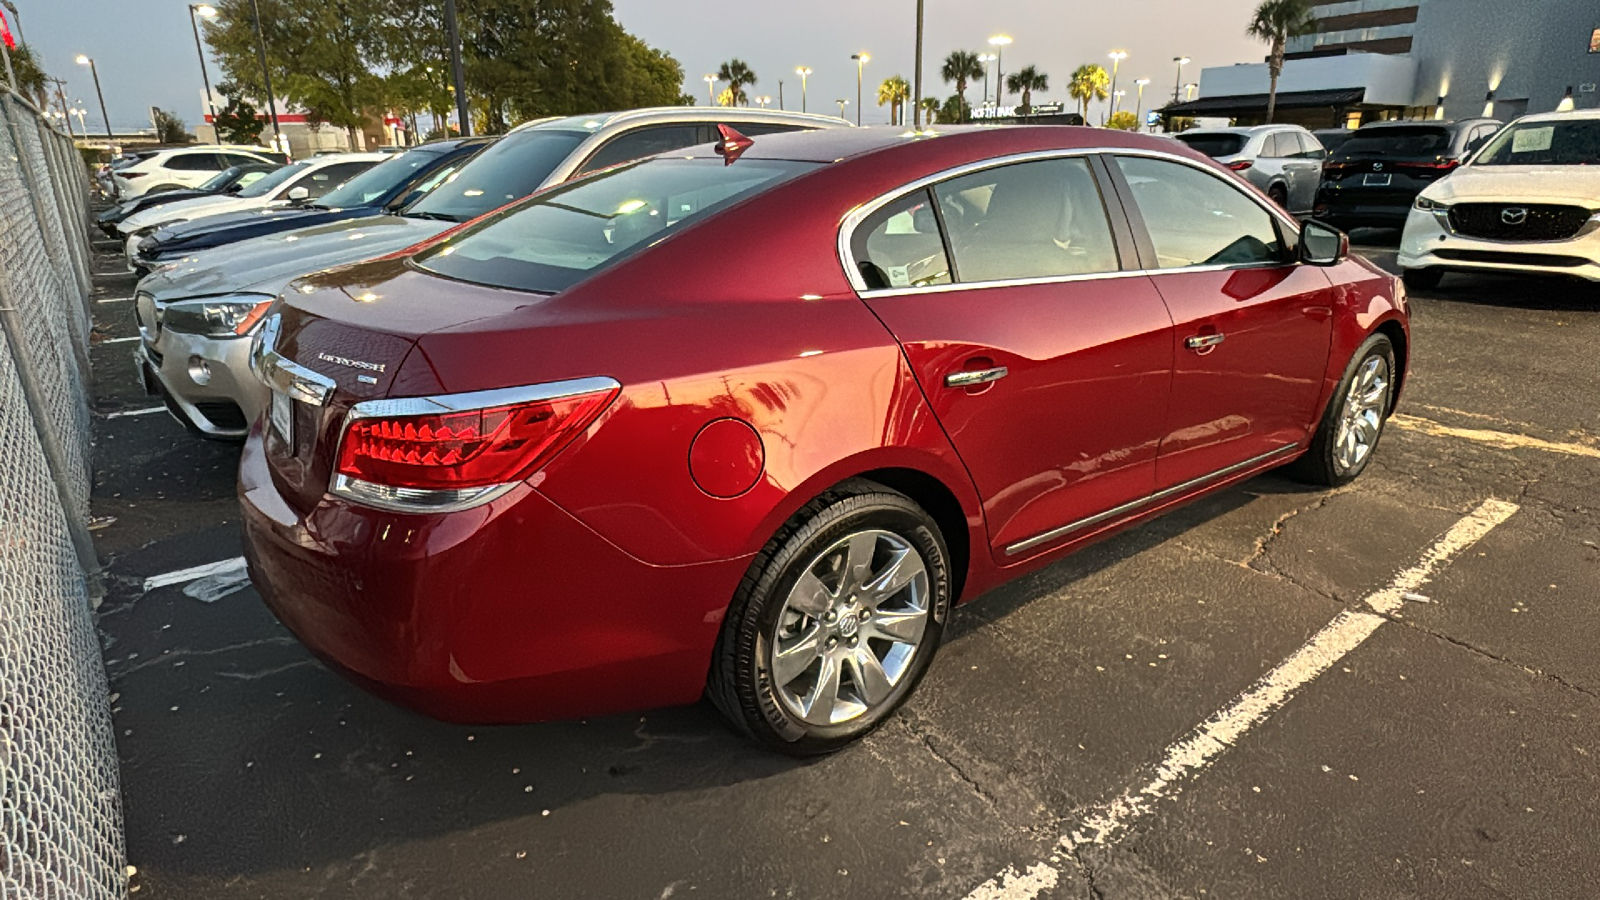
point(145, 51)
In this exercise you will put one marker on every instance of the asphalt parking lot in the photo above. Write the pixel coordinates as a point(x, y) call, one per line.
point(1389, 690)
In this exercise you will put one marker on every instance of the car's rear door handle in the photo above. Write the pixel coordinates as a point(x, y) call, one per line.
point(1204, 341)
point(980, 376)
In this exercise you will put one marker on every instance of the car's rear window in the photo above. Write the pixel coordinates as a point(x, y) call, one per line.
point(1574, 143)
point(1420, 141)
point(1214, 145)
point(565, 234)
point(511, 169)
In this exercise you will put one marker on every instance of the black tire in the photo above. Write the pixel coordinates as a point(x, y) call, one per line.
point(1320, 465)
point(1279, 195)
point(740, 683)
point(1421, 279)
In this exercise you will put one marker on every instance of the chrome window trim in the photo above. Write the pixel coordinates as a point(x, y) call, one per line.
point(1027, 544)
point(853, 219)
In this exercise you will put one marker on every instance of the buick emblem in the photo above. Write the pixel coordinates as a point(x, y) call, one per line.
point(1377, 167)
point(1513, 215)
point(847, 626)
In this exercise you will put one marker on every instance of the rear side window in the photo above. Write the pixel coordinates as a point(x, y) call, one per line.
point(1399, 141)
point(1028, 220)
point(1214, 145)
point(194, 162)
point(757, 129)
point(900, 246)
point(561, 236)
point(1197, 219)
point(1279, 146)
point(644, 142)
point(321, 181)
point(1310, 148)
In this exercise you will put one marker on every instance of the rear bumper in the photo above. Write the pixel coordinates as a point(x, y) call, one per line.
point(1429, 244)
point(510, 612)
point(1348, 210)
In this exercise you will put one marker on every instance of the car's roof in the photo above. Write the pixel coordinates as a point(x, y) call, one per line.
point(1441, 123)
point(837, 144)
point(1562, 116)
point(1242, 129)
point(333, 158)
point(594, 122)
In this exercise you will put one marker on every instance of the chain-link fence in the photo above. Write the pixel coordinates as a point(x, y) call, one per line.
point(60, 805)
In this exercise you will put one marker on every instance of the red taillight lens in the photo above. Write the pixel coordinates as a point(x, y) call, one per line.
point(1443, 165)
point(469, 448)
point(130, 175)
point(1239, 165)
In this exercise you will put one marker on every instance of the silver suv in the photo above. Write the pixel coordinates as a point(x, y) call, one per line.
point(197, 315)
point(1285, 161)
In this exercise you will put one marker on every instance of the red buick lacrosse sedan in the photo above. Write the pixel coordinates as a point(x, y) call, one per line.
point(748, 420)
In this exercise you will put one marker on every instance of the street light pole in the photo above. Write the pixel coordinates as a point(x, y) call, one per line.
point(842, 105)
point(1138, 115)
point(986, 58)
point(711, 89)
point(804, 73)
point(999, 43)
point(266, 79)
point(65, 109)
point(861, 62)
point(202, 9)
point(1117, 56)
point(1177, 85)
point(457, 72)
point(780, 94)
point(916, 77)
point(86, 61)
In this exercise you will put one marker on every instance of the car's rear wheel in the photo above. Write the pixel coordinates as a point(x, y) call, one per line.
point(835, 623)
point(1421, 279)
point(1353, 422)
point(1279, 195)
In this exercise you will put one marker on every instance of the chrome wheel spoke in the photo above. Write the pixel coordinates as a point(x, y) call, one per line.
point(869, 677)
point(817, 706)
point(858, 560)
point(791, 661)
point(903, 568)
point(810, 596)
point(903, 626)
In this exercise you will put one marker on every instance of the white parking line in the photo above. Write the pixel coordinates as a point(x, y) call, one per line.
point(190, 574)
point(122, 413)
point(120, 340)
point(1185, 759)
point(114, 299)
point(1505, 440)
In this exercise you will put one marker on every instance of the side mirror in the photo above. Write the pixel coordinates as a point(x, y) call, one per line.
point(234, 188)
point(1323, 245)
point(298, 195)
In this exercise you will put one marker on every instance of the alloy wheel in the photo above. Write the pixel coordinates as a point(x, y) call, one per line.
point(1361, 418)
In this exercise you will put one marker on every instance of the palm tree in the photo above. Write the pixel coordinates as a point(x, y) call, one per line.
point(930, 109)
point(1025, 81)
point(893, 93)
point(960, 67)
point(1089, 83)
point(32, 82)
point(737, 74)
point(1275, 22)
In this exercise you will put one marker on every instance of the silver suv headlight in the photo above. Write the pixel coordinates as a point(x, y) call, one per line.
point(218, 317)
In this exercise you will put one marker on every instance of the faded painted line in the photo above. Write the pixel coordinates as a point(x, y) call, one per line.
point(1187, 758)
point(113, 299)
point(119, 340)
point(190, 574)
point(1504, 440)
point(1008, 885)
point(123, 413)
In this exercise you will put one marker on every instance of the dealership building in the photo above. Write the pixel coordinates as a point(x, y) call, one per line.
point(1372, 60)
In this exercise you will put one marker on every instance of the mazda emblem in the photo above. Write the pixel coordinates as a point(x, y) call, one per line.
point(1377, 167)
point(1513, 215)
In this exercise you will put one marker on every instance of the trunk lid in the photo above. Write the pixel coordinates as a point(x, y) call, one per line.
point(354, 333)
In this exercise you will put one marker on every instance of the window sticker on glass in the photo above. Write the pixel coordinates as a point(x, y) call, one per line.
point(1532, 140)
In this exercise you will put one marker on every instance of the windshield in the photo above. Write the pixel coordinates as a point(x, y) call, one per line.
point(511, 169)
point(270, 183)
point(563, 235)
point(1402, 141)
point(220, 180)
point(1574, 143)
point(366, 188)
point(1214, 145)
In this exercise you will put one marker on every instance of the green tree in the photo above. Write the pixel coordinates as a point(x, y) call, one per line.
point(238, 121)
point(1275, 21)
point(1025, 81)
point(1089, 83)
point(930, 110)
point(737, 74)
point(170, 129)
point(32, 82)
point(1122, 120)
point(959, 68)
point(894, 93)
point(955, 109)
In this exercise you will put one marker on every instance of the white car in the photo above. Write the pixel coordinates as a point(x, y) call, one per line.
point(181, 167)
point(1529, 201)
point(297, 183)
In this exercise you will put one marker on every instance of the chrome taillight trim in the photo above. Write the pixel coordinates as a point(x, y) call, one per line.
point(284, 375)
point(416, 500)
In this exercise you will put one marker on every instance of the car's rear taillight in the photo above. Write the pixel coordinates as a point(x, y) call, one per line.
point(130, 175)
point(431, 453)
point(1431, 168)
point(1239, 165)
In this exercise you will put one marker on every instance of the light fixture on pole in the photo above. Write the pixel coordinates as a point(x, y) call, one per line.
point(999, 42)
point(804, 74)
point(842, 105)
point(1488, 104)
point(1189, 89)
point(1177, 85)
point(1566, 103)
point(80, 112)
point(986, 58)
point(86, 61)
point(206, 11)
point(711, 88)
point(1117, 56)
point(1116, 101)
point(1138, 120)
point(861, 61)
point(763, 102)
